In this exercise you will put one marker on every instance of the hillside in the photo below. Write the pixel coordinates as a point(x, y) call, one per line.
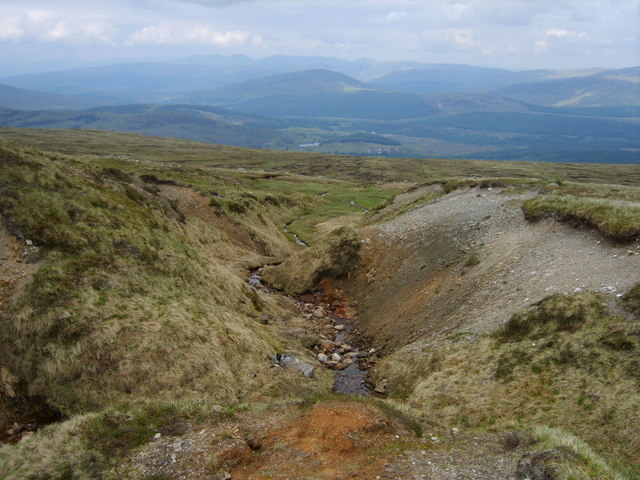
point(19, 98)
point(609, 88)
point(329, 105)
point(202, 123)
point(314, 93)
point(493, 303)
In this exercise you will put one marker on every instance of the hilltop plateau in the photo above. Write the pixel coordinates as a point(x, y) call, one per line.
point(494, 306)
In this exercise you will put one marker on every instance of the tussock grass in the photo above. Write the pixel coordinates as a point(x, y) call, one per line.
point(614, 219)
point(334, 256)
point(567, 361)
point(577, 460)
point(137, 294)
point(89, 446)
point(553, 314)
point(632, 299)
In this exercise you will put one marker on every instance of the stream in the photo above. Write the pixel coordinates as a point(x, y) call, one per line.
point(338, 348)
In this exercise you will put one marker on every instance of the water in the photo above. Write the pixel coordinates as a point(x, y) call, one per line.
point(353, 379)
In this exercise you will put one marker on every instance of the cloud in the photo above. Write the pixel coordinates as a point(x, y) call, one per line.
point(449, 39)
point(189, 34)
point(42, 26)
point(556, 38)
point(395, 16)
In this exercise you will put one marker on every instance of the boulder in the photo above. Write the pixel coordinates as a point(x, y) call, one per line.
point(285, 360)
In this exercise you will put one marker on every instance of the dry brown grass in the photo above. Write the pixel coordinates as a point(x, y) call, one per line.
point(138, 294)
point(569, 363)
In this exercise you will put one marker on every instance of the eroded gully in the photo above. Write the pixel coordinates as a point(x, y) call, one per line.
point(338, 347)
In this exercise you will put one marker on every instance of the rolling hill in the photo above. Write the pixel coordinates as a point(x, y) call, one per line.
point(208, 124)
point(20, 98)
point(608, 88)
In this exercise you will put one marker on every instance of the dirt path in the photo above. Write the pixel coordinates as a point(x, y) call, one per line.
point(468, 261)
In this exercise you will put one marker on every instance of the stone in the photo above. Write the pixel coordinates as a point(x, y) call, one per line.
point(318, 313)
point(341, 365)
point(327, 345)
point(291, 361)
point(28, 243)
point(323, 358)
point(338, 327)
point(335, 357)
point(381, 386)
point(157, 436)
point(215, 409)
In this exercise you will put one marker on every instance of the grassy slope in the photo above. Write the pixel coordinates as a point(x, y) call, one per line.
point(126, 308)
point(567, 362)
point(347, 168)
point(133, 298)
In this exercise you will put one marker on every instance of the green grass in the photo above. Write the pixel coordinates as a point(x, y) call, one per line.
point(613, 218)
point(330, 199)
point(360, 169)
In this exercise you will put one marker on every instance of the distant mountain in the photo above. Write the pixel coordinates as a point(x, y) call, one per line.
point(315, 93)
point(19, 98)
point(608, 88)
point(207, 124)
point(444, 78)
point(307, 82)
point(135, 82)
point(190, 78)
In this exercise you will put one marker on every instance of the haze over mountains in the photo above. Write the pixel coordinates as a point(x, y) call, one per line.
point(352, 107)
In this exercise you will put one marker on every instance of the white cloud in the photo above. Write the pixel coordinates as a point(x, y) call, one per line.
point(395, 16)
point(188, 34)
point(43, 26)
point(449, 39)
point(555, 38)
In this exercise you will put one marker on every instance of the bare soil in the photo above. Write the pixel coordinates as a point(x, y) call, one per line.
point(332, 440)
point(463, 264)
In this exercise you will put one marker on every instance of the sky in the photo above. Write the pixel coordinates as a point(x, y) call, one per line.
point(38, 35)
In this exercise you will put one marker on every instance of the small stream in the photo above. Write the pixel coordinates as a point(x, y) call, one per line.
point(353, 379)
point(295, 236)
point(336, 327)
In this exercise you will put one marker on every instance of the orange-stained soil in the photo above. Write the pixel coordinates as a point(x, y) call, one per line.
point(332, 440)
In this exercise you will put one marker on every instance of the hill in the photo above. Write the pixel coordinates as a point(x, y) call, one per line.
point(19, 98)
point(494, 305)
point(609, 88)
point(202, 123)
point(314, 93)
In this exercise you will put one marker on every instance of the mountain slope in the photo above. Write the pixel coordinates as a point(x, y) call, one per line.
point(210, 124)
point(466, 78)
point(299, 83)
point(610, 88)
point(19, 98)
point(315, 93)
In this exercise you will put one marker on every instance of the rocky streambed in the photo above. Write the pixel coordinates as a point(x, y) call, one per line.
point(337, 346)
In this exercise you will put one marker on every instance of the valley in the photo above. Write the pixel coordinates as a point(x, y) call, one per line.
point(155, 298)
point(328, 105)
